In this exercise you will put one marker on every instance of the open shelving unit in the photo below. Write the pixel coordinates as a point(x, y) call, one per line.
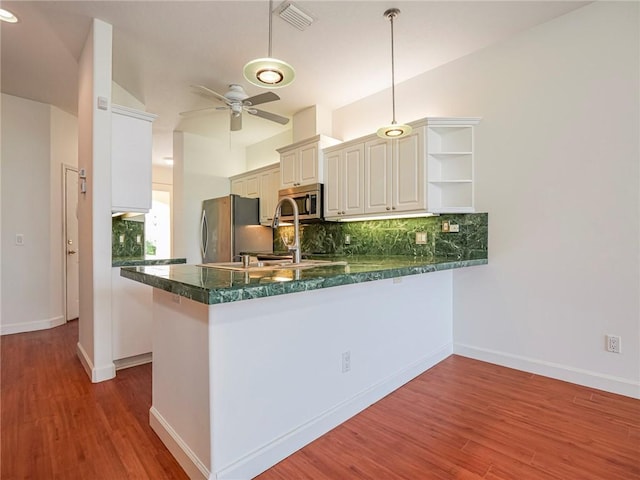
point(450, 165)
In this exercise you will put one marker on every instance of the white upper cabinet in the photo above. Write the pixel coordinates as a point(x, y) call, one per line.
point(430, 170)
point(302, 163)
point(378, 170)
point(395, 174)
point(246, 185)
point(408, 178)
point(262, 183)
point(269, 187)
point(344, 172)
point(131, 142)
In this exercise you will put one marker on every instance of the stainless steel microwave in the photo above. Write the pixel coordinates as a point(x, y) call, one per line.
point(308, 198)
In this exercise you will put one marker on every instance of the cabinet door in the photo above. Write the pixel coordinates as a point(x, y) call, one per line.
point(377, 171)
point(308, 161)
point(131, 316)
point(269, 186)
point(130, 163)
point(253, 186)
point(409, 181)
point(239, 187)
point(289, 169)
point(333, 186)
point(353, 180)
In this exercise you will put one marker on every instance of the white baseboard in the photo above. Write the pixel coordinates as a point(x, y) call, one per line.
point(133, 361)
point(262, 459)
point(95, 374)
point(608, 383)
point(188, 460)
point(22, 327)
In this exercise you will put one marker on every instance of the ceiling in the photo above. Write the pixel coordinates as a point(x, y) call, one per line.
point(161, 48)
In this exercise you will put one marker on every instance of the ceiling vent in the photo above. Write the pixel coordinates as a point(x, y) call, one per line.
point(294, 15)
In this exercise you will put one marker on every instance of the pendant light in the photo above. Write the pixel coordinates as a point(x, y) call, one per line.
point(269, 72)
point(393, 130)
point(7, 16)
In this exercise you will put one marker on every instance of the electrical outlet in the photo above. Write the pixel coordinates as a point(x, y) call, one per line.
point(20, 239)
point(347, 239)
point(613, 343)
point(445, 226)
point(421, 238)
point(454, 227)
point(346, 361)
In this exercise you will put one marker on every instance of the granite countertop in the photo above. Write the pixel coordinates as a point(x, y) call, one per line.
point(211, 285)
point(141, 261)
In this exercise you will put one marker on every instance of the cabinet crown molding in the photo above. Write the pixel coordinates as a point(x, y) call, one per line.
point(324, 141)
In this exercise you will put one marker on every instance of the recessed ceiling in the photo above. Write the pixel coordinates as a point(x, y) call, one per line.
point(161, 48)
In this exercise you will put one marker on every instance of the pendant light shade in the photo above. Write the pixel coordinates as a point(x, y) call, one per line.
point(393, 130)
point(269, 72)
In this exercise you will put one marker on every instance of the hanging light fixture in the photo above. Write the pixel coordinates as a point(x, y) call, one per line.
point(394, 130)
point(269, 72)
point(7, 16)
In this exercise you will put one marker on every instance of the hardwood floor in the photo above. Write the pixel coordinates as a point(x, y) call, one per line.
point(56, 424)
point(463, 419)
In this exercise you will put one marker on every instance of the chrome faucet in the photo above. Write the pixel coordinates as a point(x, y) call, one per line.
point(295, 248)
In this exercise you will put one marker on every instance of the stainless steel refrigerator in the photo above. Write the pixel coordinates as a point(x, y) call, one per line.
point(229, 226)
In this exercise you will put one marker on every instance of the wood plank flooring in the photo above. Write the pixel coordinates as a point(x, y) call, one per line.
point(56, 424)
point(463, 419)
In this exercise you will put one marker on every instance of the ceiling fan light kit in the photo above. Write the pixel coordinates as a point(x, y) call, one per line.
point(269, 72)
point(393, 130)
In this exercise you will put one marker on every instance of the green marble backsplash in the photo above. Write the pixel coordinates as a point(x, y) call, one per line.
point(395, 237)
point(127, 236)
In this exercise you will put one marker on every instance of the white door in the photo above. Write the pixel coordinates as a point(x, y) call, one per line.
point(71, 243)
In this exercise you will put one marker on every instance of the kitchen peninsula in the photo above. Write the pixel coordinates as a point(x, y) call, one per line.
point(250, 366)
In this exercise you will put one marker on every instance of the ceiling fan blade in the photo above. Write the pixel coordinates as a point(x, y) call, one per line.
point(261, 98)
point(236, 122)
point(270, 116)
point(200, 111)
point(207, 92)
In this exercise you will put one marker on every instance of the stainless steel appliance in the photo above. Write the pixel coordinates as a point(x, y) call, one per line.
point(309, 201)
point(229, 226)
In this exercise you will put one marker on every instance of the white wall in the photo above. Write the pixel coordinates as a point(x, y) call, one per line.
point(94, 206)
point(557, 170)
point(264, 153)
point(204, 165)
point(37, 140)
point(162, 175)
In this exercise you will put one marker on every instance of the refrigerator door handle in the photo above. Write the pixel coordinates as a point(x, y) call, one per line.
point(204, 237)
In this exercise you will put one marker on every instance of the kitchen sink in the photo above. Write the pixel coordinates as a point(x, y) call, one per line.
point(262, 265)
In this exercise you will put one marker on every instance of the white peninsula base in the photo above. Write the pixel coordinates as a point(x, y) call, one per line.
point(238, 387)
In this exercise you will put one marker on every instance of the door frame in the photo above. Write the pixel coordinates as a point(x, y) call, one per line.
point(65, 168)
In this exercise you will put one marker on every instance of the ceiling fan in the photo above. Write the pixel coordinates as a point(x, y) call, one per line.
point(237, 101)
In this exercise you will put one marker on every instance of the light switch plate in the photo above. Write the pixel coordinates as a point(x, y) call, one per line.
point(421, 238)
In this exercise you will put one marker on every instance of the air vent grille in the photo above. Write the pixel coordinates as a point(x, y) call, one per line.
point(294, 15)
